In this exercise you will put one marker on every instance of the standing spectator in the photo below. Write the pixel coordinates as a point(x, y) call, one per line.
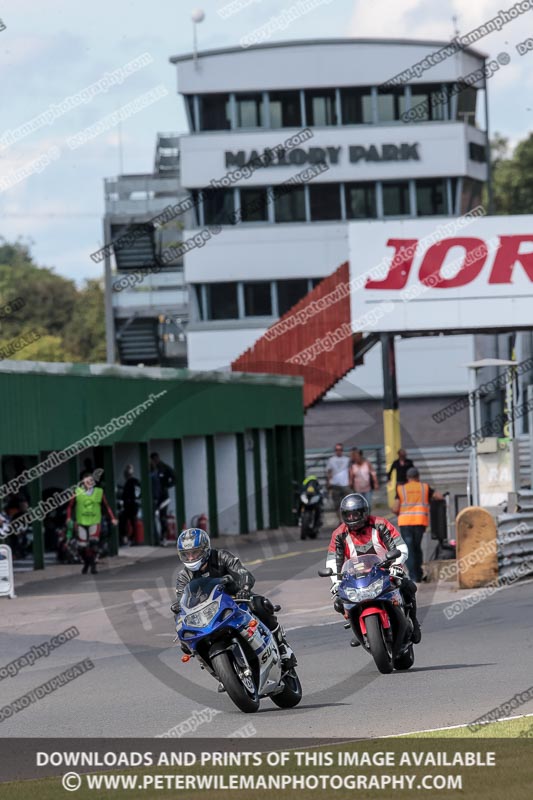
point(87, 468)
point(412, 506)
point(363, 477)
point(131, 493)
point(163, 478)
point(337, 477)
point(87, 503)
point(400, 467)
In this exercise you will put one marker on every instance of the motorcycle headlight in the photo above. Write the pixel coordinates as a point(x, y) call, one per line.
point(201, 618)
point(368, 593)
point(303, 497)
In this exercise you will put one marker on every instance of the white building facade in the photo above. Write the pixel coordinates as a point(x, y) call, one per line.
point(317, 112)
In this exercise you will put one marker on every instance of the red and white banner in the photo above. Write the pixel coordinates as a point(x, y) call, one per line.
point(442, 273)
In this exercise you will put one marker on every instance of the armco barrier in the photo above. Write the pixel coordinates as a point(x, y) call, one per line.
point(7, 581)
point(515, 535)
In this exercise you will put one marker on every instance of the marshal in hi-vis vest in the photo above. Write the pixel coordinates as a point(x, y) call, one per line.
point(414, 504)
point(89, 506)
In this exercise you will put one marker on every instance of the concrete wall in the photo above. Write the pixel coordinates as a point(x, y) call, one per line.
point(264, 478)
point(194, 476)
point(250, 479)
point(227, 484)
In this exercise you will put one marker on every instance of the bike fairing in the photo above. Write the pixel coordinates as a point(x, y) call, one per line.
point(208, 616)
point(233, 643)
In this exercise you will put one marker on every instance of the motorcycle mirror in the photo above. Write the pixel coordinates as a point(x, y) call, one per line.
point(392, 555)
point(325, 573)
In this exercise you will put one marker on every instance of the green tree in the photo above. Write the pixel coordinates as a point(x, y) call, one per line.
point(512, 176)
point(85, 333)
point(70, 321)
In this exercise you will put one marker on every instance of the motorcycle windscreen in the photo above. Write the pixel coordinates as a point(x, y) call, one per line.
point(359, 566)
point(198, 591)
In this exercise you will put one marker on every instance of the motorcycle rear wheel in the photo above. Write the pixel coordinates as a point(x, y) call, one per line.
point(406, 660)
point(378, 647)
point(291, 694)
point(226, 669)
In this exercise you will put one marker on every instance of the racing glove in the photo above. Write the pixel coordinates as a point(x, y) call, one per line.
point(243, 594)
point(335, 587)
point(396, 571)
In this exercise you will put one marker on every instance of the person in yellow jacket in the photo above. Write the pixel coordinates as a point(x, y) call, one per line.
point(87, 504)
point(412, 506)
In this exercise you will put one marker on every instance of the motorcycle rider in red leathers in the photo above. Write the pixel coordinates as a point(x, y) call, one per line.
point(361, 533)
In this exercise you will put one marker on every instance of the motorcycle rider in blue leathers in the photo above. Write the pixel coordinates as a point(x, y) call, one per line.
point(203, 561)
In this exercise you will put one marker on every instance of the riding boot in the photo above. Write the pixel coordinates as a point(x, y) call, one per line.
point(409, 589)
point(288, 659)
point(416, 636)
point(86, 561)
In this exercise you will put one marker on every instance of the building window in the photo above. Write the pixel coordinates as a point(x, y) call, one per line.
point(257, 299)
point(453, 185)
point(356, 106)
point(285, 110)
point(466, 105)
point(291, 292)
point(391, 104)
point(222, 301)
point(249, 110)
point(254, 205)
point(396, 199)
point(477, 152)
point(189, 99)
point(325, 201)
point(429, 102)
point(198, 292)
point(470, 194)
point(214, 112)
point(195, 194)
point(289, 204)
point(218, 206)
point(431, 197)
point(360, 200)
point(320, 107)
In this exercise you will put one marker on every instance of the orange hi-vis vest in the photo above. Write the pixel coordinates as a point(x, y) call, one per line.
point(414, 504)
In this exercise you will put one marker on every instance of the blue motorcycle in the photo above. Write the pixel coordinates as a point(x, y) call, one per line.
point(234, 646)
point(375, 609)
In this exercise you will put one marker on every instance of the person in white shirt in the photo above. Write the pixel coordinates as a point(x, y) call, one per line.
point(338, 478)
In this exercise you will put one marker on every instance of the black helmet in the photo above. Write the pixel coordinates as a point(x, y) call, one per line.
point(354, 511)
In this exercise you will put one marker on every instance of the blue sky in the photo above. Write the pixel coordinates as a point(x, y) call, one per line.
point(51, 49)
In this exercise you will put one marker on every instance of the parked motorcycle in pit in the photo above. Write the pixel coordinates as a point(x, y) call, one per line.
point(375, 609)
point(234, 646)
point(310, 512)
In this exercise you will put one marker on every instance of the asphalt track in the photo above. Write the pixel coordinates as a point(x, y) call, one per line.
point(139, 687)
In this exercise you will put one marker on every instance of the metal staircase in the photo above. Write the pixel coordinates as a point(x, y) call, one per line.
point(137, 341)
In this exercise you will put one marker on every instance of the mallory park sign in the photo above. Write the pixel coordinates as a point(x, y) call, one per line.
point(322, 155)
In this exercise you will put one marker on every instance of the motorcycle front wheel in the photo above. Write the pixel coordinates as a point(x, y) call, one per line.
point(307, 524)
point(406, 660)
point(292, 692)
point(227, 670)
point(377, 644)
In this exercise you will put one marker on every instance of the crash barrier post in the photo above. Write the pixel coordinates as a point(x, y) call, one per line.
point(7, 580)
point(477, 558)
